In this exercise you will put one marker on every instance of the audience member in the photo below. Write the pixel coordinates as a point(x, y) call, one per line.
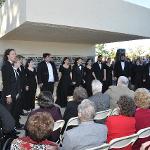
point(116, 91)
point(142, 115)
point(38, 126)
point(7, 125)
point(101, 101)
point(88, 134)
point(71, 110)
point(46, 103)
point(124, 123)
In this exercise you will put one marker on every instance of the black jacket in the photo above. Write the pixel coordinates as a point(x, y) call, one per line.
point(11, 85)
point(119, 72)
point(7, 121)
point(99, 73)
point(42, 72)
point(78, 74)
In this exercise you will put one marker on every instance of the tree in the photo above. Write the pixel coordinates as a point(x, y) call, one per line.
point(101, 50)
point(1, 2)
point(137, 52)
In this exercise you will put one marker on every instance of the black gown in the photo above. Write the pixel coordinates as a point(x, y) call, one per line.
point(64, 86)
point(88, 77)
point(108, 80)
point(30, 81)
point(138, 76)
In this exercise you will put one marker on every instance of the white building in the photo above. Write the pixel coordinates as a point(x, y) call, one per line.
point(69, 27)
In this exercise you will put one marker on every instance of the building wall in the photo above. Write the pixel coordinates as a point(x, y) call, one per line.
point(30, 48)
point(106, 15)
point(12, 15)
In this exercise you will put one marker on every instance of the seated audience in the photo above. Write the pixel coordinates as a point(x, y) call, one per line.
point(116, 91)
point(7, 122)
point(39, 125)
point(71, 110)
point(101, 101)
point(124, 123)
point(142, 114)
point(7, 125)
point(46, 103)
point(88, 134)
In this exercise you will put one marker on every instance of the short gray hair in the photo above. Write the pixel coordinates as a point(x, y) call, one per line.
point(79, 94)
point(87, 110)
point(123, 81)
point(96, 86)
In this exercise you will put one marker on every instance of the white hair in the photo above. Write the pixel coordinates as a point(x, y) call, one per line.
point(87, 110)
point(123, 81)
point(96, 86)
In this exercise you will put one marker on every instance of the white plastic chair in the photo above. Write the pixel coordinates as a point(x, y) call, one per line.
point(102, 114)
point(123, 141)
point(102, 147)
point(74, 121)
point(143, 133)
point(115, 112)
point(58, 125)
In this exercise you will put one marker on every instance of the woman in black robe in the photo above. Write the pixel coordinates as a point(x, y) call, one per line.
point(108, 68)
point(88, 76)
point(30, 85)
point(64, 88)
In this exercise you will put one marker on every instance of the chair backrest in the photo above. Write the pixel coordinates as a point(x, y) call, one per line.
point(74, 121)
point(115, 112)
point(102, 147)
point(123, 142)
point(102, 114)
point(143, 133)
point(7, 144)
point(58, 125)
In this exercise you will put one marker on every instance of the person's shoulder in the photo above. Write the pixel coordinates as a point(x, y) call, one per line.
point(95, 63)
point(114, 117)
point(105, 95)
point(70, 103)
point(52, 62)
point(56, 108)
point(6, 63)
point(131, 92)
point(91, 97)
point(73, 132)
point(102, 126)
point(112, 88)
point(41, 63)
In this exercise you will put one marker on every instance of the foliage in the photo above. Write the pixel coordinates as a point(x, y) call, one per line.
point(137, 52)
point(1, 2)
point(130, 53)
point(101, 50)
